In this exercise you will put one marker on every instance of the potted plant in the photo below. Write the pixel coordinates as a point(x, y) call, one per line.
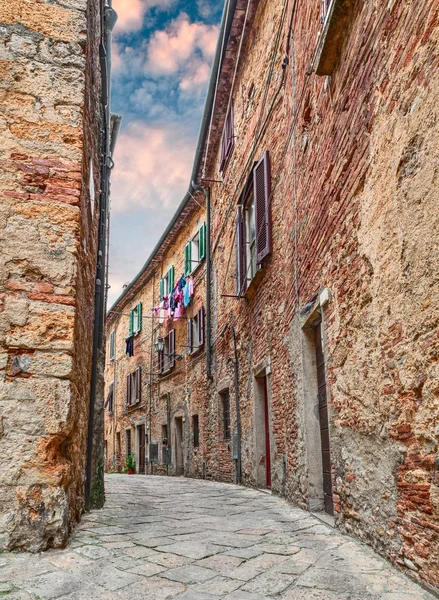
point(165, 441)
point(130, 465)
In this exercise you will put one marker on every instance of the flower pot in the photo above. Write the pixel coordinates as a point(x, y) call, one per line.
point(131, 471)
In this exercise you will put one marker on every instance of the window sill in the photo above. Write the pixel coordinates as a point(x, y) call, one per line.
point(254, 284)
point(196, 351)
point(200, 262)
point(332, 37)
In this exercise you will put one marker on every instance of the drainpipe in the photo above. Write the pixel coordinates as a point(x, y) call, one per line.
point(206, 192)
point(106, 166)
point(238, 410)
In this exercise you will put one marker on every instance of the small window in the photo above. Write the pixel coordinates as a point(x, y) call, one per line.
point(167, 283)
point(195, 431)
point(135, 325)
point(225, 397)
point(166, 358)
point(134, 387)
point(128, 442)
point(228, 139)
point(195, 251)
point(112, 344)
point(196, 331)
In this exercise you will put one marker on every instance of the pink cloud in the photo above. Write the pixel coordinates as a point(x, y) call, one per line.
point(153, 165)
point(131, 12)
point(172, 50)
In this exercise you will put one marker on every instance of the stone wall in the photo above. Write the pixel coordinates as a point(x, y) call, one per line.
point(49, 120)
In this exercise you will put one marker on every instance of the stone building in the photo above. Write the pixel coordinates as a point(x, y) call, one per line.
point(319, 170)
point(54, 118)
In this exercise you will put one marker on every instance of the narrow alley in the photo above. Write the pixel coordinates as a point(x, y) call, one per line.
point(161, 538)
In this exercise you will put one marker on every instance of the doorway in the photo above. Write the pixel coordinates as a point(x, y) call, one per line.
point(179, 464)
point(262, 432)
point(141, 436)
point(323, 419)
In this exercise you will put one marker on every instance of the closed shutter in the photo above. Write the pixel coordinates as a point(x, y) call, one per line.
point(262, 192)
point(128, 393)
point(228, 138)
point(171, 347)
point(161, 362)
point(187, 259)
point(131, 324)
point(203, 241)
point(201, 326)
point(139, 317)
point(112, 344)
point(189, 336)
point(241, 270)
point(138, 384)
point(170, 280)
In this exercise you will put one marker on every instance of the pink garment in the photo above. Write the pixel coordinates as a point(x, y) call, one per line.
point(166, 302)
point(177, 313)
point(191, 285)
point(156, 310)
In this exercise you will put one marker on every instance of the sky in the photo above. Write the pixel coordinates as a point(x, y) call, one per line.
point(162, 54)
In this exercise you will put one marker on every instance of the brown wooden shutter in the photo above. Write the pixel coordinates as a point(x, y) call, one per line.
point(227, 139)
point(241, 270)
point(138, 384)
point(128, 395)
point(161, 361)
point(171, 346)
point(189, 336)
point(262, 192)
point(201, 326)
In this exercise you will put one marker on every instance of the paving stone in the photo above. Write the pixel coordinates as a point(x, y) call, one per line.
point(152, 589)
point(147, 569)
point(343, 581)
point(67, 559)
point(221, 562)
point(241, 595)
point(269, 584)
point(218, 586)
point(189, 574)
point(51, 585)
point(171, 560)
point(191, 549)
point(94, 552)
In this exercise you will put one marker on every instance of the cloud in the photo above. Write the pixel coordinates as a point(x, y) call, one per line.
point(131, 13)
point(172, 50)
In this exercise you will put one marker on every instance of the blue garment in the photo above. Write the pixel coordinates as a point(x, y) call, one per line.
point(187, 295)
point(181, 283)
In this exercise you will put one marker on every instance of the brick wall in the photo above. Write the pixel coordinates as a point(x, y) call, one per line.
point(49, 99)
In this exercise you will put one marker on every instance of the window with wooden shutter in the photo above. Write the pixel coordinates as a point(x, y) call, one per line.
point(227, 139)
point(202, 254)
point(128, 391)
point(262, 192)
point(201, 327)
point(190, 342)
point(241, 276)
point(171, 347)
point(112, 344)
point(162, 289)
point(139, 317)
point(187, 259)
point(170, 280)
point(131, 323)
point(139, 384)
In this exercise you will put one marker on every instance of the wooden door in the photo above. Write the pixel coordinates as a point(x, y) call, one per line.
point(142, 448)
point(324, 421)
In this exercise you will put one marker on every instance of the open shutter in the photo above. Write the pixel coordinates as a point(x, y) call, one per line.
point(128, 394)
point(190, 342)
point(171, 347)
point(262, 191)
point(131, 324)
point(161, 362)
point(228, 138)
point(201, 327)
point(139, 317)
point(241, 271)
point(203, 241)
point(170, 280)
point(138, 384)
point(112, 344)
point(162, 289)
point(187, 259)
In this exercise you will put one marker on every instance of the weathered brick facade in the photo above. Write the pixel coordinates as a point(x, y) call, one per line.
point(353, 263)
point(50, 120)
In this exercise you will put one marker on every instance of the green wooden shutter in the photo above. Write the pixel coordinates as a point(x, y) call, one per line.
point(203, 241)
point(187, 259)
point(171, 279)
point(139, 317)
point(131, 326)
point(162, 289)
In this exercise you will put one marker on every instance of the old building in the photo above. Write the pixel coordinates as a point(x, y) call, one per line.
point(54, 120)
point(318, 375)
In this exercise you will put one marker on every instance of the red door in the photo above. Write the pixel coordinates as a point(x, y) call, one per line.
point(267, 438)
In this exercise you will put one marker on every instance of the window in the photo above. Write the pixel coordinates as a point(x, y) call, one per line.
point(196, 431)
point(112, 344)
point(134, 387)
point(128, 442)
point(253, 225)
point(326, 4)
point(228, 139)
point(167, 283)
point(195, 251)
point(336, 16)
point(167, 357)
point(91, 186)
point(118, 450)
point(195, 331)
point(109, 403)
point(165, 440)
point(225, 398)
point(135, 325)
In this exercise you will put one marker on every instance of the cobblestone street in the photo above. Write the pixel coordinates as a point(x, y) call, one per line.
point(161, 538)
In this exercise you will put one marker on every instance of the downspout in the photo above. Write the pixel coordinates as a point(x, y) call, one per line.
point(206, 192)
point(110, 18)
point(238, 410)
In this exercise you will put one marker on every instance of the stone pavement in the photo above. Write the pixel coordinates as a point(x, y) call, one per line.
point(161, 538)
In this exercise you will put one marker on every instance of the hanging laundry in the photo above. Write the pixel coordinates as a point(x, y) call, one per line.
point(187, 294)
point(156, 311)
point(166, 302)
point(181, 283)
point(191, 286)
point(178, 312)
point(129, 341)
